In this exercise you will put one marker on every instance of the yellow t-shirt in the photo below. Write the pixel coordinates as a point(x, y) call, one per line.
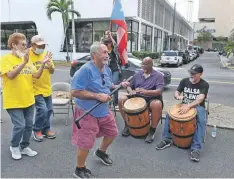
point(42, 86)
point(17, 92)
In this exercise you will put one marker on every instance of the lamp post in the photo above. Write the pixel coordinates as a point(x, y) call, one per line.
point(73, 30)
point(173, 28)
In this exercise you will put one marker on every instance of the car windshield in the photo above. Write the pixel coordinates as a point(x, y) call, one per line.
point(170, 54)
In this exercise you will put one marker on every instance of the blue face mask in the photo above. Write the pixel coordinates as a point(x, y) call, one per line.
point(39, 51)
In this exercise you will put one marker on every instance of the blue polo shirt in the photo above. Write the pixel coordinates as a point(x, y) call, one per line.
point(91, 79)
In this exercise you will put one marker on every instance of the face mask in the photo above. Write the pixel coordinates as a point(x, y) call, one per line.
point(39, 51)
point(19, 53)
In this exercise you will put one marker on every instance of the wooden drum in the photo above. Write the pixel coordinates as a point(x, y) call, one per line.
point(137, 115)
point(183, 126)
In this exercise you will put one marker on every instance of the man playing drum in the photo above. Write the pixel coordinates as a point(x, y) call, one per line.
point(193, 91)
point(148, 84)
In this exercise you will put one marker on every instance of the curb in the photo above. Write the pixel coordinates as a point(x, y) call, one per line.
point(210, 125)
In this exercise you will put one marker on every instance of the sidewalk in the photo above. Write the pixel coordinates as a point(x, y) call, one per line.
point(225, 62)
point(220, 115)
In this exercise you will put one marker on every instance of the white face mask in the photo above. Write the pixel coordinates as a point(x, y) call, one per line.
point(39, 51)
point(19, 53)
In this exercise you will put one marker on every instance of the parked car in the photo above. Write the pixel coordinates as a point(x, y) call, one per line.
point(134, 65)
point(171, 58)
point(185, 55)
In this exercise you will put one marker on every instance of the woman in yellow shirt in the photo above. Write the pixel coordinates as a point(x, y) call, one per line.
point(17, 73)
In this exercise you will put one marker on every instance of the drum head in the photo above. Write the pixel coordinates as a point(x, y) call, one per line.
point(174, 113)
point(135, 104)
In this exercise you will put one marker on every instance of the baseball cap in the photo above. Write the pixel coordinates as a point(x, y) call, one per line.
point(196, 69)
point(38, 39)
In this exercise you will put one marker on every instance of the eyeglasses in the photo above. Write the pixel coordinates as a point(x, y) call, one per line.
point(103, 81)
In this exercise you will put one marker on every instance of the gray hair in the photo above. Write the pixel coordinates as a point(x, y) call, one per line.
point(95, 47)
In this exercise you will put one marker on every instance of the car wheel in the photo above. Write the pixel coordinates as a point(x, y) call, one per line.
point(178, 64)
point(162, 65)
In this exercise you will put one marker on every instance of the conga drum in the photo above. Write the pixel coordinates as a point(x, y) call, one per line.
point(137, 115)
point(183, 126)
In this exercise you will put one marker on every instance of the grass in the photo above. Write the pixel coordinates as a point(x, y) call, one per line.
point(62, 63)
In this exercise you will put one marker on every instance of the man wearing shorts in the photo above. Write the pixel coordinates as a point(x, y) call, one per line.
point(148, 84)
point(90, 84)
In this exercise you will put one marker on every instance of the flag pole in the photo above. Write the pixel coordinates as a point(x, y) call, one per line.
point(110, 20)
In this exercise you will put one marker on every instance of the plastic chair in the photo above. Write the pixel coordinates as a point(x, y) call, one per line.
point(61, 103)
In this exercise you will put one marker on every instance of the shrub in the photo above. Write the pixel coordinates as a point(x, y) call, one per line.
point(143, 54)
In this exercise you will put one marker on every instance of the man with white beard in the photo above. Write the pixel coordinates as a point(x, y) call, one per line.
point(193, 92)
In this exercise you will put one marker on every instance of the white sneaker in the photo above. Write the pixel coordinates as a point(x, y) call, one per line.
point(15, 153)
point(29, 152)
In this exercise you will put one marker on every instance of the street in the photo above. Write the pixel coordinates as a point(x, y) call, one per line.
point(132, 157)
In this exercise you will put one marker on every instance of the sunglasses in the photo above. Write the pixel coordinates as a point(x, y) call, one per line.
point(103, 81)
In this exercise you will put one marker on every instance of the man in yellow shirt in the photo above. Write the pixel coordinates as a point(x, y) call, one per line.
point(18, 72)
point(42, 90)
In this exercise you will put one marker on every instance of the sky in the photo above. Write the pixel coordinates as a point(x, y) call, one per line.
point(182, 7)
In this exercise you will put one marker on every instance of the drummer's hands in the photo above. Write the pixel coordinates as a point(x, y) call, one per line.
point(180, 97)
point(132, 92)
point(103, 97)
point(140, 90)
point(184, 109)
point(125, 84)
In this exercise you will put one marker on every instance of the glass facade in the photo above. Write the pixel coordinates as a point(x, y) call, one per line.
point(29, 29)
point(89, 32)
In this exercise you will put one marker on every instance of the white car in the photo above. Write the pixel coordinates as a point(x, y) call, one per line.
point(171, 58)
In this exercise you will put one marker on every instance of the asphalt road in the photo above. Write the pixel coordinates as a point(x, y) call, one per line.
point(132, 157)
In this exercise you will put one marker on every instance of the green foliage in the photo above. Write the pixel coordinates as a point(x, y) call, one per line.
point(143, 54)
point(204, 37)
point(229, 48)
point(63, 7)
point(221, 39)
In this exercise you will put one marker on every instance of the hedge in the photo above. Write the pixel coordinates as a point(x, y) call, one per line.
point(143, 54)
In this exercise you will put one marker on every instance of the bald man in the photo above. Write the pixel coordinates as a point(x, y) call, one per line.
point(148, 84)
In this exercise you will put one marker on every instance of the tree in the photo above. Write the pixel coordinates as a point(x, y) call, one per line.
point(63, 7)
point(204, 37)
point(230, 50)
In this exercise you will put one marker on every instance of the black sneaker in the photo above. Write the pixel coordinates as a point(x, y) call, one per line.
point(150, 137)
point(83, 173)
point(105, 158)
point(125, 132)
point(163, 144)
point(195, 155)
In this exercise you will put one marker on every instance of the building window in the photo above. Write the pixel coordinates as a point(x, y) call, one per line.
point(83, 35)
point(143, 37)
point(99, 29)
point(29, 29)
point(165, 43)
point(159, 41)
point(146, 38)
point(134, 35)
point(149, 39)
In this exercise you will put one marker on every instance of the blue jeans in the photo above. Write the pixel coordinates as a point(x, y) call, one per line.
point(199, 133)
point(44, 110)
point(22, 119)
point(115, 79)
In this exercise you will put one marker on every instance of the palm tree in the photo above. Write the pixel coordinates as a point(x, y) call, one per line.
point(230, 50)
point(63, 7)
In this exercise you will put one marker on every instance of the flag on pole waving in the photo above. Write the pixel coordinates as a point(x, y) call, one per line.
point(117, 17)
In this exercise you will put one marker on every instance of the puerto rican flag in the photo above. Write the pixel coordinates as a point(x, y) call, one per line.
point(117, 17)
